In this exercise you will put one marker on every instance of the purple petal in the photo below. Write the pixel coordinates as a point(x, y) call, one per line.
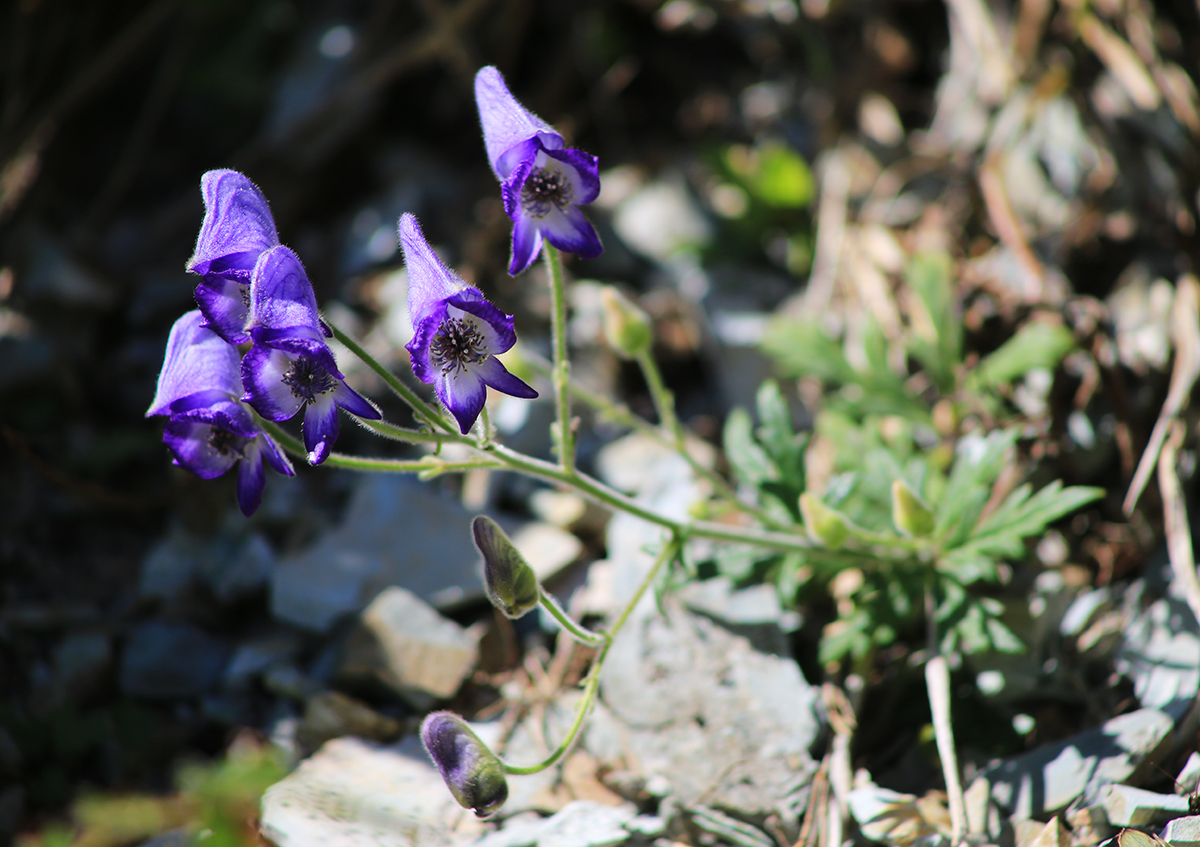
point(263, 370)
point(197, 359)
point(418, 348)
point(355, 403)
point(496, 328)
point(237, 226)
point(225, 304)
point(252, 479)
point(511, 188)
point(320, 429)
point(526, 243)
point(463, 393)
point(494, 374)
point(202, 449)
point(429, 280)
point(569, 231)
point(583, 170)
point(274, 456)
point(505, 122)
point(216, 409)
point(280, 293)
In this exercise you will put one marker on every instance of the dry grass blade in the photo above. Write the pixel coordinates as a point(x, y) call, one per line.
point(1122, 62)
point(1185, 315)
point(831, 231)
point(937, 681)
point(1175, 520)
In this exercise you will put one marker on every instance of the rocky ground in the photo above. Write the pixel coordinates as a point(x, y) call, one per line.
point(166, 663)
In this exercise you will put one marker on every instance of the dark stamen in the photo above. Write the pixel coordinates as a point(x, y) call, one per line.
point(457, 344)
point(307, 379)
point(224, 441)
point(544, 187)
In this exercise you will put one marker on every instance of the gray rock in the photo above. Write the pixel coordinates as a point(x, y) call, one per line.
point(581, 823)
point(255, 656)
point(661, 219)
point(753, 612)
point(709, 718)
point(170, 660)
point(354, 794)
point(1049, 778)
point(1129, 806)
point(170, 565)
point(396, 531)
point(1183, 832)
point(1161, 652)
point(404, 644)
point(80, 662)
point(331, 714)
point(236, 567)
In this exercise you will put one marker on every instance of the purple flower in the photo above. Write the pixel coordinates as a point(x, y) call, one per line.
point(210, 429)
point(290, 367)
point(542, 180)
point(237, 228)
point(456, 333)
point(470, 770)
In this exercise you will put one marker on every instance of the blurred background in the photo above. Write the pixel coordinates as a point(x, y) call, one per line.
point(1048, 147)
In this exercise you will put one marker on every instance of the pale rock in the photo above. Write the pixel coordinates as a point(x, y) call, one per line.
point(1183, 832)
point(355, 794)
point(581, 823)
point(331, 714)
point(403, 643)
point(1129, 806)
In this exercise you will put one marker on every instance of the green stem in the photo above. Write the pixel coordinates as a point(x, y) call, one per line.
point(592, 684)
point(581, 633)
point(411, 436)
point(561, 374)
point(622, 415)
point(664, 401)
point(420, 408)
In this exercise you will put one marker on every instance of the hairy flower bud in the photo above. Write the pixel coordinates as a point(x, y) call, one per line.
point(910, 513)
point(824, 525)
point(626, 327)
point(472, 772)
point(510, 582)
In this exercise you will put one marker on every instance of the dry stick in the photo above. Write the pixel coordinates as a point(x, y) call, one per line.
point(1175, 521)
point(937, 683)
point(1185, 327)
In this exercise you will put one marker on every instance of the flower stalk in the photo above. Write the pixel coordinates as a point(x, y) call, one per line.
point(564, 436)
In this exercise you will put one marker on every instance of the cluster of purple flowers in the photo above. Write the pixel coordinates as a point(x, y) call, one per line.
point(253, 291)
point(258, 343)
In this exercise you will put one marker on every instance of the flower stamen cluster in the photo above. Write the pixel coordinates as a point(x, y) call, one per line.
point(458, 344)
point(544, 188)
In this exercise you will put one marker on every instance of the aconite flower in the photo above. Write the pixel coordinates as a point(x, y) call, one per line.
point(290, 367)
point(510, 583)
point(456, 332)
point(543, 182)
point(237, 229)
point(209, 429)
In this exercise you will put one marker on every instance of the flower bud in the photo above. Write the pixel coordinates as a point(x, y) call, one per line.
point(824, 525)
point(910, 514)
point(510, 583)
point(472, 772)
point(626, 327)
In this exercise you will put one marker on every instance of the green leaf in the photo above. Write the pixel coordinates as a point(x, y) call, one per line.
point(1036, 345)
point(938, 340)
point(1002, 534)
point(801, 348)
point(779, 439)
point(976, 467)
point(773, 173)
point(749, 461)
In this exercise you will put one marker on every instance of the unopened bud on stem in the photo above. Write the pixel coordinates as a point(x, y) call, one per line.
point(824, 525)
point(472, 772)
point(626, 327)
point(510, 582)
point(910, 513)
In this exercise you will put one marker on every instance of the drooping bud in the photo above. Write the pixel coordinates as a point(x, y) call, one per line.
point(626, 327)
point(510, 582)
point(910, 513)
point(824, 525)
point(472, 772)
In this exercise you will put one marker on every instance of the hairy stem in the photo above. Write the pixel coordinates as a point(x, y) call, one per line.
point(561, 374)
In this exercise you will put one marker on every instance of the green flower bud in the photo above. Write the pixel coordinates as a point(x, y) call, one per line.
point(626, 327)
point(824, 525)
point(910, 513)
point(472, 772)
point(511, 584)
